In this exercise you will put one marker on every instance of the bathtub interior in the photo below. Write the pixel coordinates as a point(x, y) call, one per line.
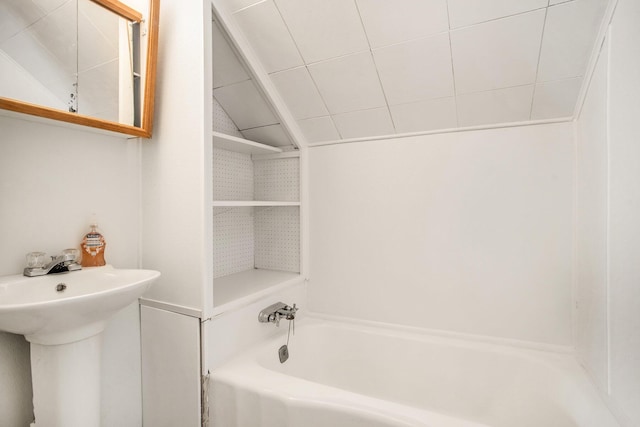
point(477, 384)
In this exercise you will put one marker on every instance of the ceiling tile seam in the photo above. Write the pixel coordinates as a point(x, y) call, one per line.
point(419, 101)
point(322, 61)
point(44, 12)
point(225, 111)
point(233, 12)
point(315, 85)
point(535, 81)
point(439, 33)
point(231, 84)
point(293, 39)
point(541, 82)
point(259, 127)
point(494, 89)
point(453, 71)
point(501, 18)
point(98, 66)
point(50, 53)
point(375, 65)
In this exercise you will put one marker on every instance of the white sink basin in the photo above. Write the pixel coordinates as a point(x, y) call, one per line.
point(31, 306)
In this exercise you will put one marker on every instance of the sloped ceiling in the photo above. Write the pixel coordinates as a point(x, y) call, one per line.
point(359, 68)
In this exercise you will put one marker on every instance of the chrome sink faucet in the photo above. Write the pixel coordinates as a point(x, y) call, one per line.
point(277, 311)
point(66, 261)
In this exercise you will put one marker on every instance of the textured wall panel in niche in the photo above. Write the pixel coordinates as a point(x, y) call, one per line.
point(277, 180)
point(222, 122)
point(277, 238)
point(232, 175)
point(233, 240)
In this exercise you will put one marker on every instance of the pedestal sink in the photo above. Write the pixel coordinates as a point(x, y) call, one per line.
point(63, 316)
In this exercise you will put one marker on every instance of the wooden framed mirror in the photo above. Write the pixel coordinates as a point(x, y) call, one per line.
point(98, 76)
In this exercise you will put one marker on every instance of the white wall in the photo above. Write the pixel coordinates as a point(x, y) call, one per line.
point(174, 180)
point(591, 228)
point(51, 180)
point(468, 232)
point(611, 322)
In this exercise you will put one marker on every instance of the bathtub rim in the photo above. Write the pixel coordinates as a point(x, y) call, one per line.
point(563, 359)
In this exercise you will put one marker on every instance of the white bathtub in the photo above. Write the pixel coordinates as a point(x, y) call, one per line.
point(342, 375)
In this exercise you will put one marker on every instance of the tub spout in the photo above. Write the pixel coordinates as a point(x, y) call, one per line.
point(277, 311)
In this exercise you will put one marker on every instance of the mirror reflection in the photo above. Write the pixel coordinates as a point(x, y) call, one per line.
point(71, 55)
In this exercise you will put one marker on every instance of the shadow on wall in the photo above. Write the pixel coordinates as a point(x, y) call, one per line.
point(16, 408)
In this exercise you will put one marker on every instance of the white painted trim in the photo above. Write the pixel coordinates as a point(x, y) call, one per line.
point(173, 308)
point(240, 145)
point(595, 55)
point(207, 157)
point(304, 213)
point(443, 131)
point(574, 241)
point(553, 348)
point(608, 212)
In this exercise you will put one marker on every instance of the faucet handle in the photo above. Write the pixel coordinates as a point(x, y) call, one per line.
point(36, 259)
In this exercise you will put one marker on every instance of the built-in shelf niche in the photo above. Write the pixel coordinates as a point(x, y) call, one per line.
point(256, 218)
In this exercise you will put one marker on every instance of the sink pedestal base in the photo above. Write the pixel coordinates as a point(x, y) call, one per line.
point(66, 383)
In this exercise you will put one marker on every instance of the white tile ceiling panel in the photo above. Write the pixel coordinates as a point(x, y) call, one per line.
point(222, 122)
point(425, 115)
point(468, 12)
point(318, 129)
point(244, 104)
point(271, 135)
point(53, 34)
point(227, 69)
point(350, 68)
point(235, 5)
point(324, 29)
point(15, 16)
point(105, 21)
point(348, 83)
point(96, 89)
point(267, 33)
point(94, 47)
point(48, 5)
point(555, 99)
point(364, 123)
point(416, 70)
point(25, 49)
point(495, 106)
point(497, 54)
point(388, 22)
point(569, 34)
point(299, 92)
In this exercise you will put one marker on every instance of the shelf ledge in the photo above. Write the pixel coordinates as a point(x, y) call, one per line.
point(239, 289)
point(250, 203)
point(240, 145)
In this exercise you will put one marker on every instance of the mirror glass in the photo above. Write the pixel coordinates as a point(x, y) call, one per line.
point(39, 52)
point(105, 88)
point(76, 57)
